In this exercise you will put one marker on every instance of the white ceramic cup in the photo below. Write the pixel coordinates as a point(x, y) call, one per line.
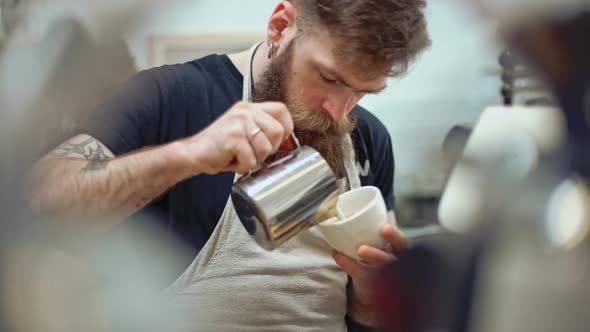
point(361, 212)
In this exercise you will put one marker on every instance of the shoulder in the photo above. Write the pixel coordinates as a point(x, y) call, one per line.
point(181, 76)
point(372, 141)
point(198, 84)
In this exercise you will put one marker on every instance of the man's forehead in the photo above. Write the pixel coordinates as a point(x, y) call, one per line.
point(324, 52)
point(350, 74)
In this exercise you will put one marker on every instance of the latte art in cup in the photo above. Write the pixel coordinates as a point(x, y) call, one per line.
point(360, 214)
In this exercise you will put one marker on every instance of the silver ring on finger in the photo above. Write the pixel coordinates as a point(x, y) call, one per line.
point(253, 133)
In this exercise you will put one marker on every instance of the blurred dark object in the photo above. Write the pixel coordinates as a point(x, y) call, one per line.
point(560, 49)
point(429, 288)
point(508, 65)
point(416, 210)
point(520, 84)
point(454, 143)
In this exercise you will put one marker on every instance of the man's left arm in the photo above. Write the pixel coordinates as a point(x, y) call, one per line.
point(374, 141)
point(365, 272)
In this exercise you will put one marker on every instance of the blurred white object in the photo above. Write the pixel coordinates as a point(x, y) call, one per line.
point(505, 146)
point(568, 214)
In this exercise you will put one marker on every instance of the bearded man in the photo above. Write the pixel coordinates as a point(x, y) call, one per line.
point(171, 142)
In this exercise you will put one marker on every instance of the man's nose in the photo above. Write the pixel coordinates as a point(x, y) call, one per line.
point(337, 108)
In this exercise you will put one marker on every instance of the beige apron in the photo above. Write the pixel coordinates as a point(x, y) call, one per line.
point(234, 284)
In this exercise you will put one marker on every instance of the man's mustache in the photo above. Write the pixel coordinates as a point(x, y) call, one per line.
point(320, 122)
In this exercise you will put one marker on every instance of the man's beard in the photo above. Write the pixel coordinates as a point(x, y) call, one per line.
point(312, 127)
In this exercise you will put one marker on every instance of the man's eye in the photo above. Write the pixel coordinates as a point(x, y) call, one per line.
point(328, 80)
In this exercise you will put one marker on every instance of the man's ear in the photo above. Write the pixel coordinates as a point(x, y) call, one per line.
point(283, 17)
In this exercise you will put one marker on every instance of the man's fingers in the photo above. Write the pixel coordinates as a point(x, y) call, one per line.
point(245, 135)
point(374, 257)
point(272, 129)
point(397, 240)
point(348, 265)
point(279, 112)
point(259, 142)
point(245, 156)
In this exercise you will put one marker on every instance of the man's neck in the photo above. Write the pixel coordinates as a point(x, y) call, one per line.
point(240, 60)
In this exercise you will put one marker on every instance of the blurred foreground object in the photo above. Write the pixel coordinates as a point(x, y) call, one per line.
point(507, 144)
point(517, 201)
point(536, 273)
point(55, 278)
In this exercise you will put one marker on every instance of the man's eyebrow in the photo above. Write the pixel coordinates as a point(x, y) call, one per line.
point(339, 78)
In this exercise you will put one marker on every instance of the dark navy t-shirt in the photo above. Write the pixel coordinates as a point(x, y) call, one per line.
point(164, 104)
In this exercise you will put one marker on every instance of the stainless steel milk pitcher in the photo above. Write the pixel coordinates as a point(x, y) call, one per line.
point(279, 201)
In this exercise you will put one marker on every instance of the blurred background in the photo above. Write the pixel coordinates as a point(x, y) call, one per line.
point(487, 117)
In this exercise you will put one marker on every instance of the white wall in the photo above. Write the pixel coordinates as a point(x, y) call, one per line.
point(199, 16)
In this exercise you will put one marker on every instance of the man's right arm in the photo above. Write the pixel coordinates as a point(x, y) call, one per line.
point(83, 180)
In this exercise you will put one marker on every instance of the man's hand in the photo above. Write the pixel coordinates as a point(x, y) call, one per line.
point(365, 272)
point(241, 138)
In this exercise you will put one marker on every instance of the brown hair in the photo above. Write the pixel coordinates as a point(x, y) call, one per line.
point(383, 36)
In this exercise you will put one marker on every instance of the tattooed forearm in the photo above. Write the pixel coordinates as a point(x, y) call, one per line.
point(84, 181)
point(98, 157)
point(70, 148)
point(95, 166)
point(89, 148)
point(86, 147)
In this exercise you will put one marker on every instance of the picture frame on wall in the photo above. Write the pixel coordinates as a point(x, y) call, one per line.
point(172, 49)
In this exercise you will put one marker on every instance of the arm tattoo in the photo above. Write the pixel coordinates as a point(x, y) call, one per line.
point(94, 166)
point(97, 157)
point(83, 149)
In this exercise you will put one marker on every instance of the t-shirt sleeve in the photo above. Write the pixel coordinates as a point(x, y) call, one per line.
point(384, 167)
point(375, 155)
point(130, 118)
